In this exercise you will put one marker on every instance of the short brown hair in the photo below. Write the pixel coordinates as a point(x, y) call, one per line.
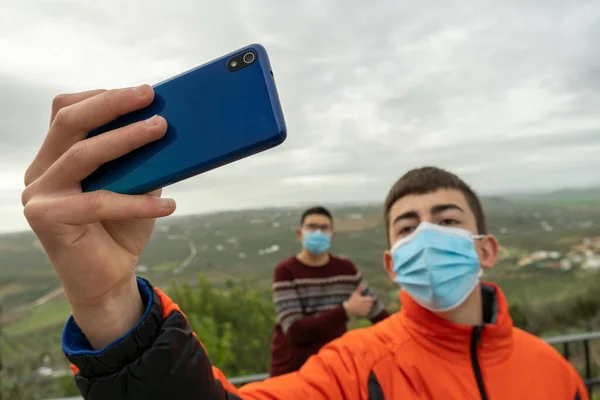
point(426, 180)
point(317, 210)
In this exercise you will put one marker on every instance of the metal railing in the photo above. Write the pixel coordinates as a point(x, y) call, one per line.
point(566, 340)
point(242, 380)
point(584, 338)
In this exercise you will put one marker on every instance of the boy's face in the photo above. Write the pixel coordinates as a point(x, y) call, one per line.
point(314, 222)
point(446, 207)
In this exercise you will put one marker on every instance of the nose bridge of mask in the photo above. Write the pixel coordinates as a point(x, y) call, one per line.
point(309, 233)
point(428, 226)
point(318, 230)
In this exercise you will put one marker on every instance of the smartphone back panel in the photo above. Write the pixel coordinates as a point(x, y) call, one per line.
point(215, 115)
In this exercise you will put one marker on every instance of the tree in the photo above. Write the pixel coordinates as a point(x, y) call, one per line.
point(235, 323)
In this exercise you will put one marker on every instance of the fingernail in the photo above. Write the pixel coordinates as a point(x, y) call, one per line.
point(166, 203)
point(152, 120)
point(140, 90)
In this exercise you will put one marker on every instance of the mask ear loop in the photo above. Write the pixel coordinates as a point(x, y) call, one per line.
point(480, 272)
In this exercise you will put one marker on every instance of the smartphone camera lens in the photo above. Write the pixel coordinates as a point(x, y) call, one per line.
point(249, 57)
point(241, 60)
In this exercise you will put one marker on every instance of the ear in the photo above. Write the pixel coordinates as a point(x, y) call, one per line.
point(488, 249)
point(388, 264)
point(299, 233)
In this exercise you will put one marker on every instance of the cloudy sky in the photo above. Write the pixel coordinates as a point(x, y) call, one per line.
point(507, 94)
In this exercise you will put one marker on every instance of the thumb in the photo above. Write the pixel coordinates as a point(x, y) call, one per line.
point(360, 289)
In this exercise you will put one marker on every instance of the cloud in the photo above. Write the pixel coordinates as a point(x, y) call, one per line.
point(504, 93)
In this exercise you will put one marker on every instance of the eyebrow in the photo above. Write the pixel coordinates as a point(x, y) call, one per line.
point(434, 210)
point(444, 207)
point(406, 215)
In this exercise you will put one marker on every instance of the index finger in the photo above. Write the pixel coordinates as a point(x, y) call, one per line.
point(360, 289)
point(72, 123)
point(101, 109)
point(65, 100)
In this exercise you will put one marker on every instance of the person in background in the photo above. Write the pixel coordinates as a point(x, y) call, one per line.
point(315, 293)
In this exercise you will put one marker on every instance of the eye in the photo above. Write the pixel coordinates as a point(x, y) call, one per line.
point(449, 222)
point(407, 230)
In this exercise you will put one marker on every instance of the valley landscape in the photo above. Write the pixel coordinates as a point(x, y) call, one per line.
point(550, 255)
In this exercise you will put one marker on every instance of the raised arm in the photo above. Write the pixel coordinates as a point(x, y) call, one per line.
point(161, 358)
point(125, 339)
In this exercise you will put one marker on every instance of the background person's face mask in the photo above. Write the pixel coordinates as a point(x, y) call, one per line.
point(437, 266)
point(316, 242)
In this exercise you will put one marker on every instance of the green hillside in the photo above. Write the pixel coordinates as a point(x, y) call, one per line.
point(247, 244)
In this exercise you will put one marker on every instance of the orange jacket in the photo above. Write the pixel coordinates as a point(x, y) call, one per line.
point(415, 354)
point(412, 354)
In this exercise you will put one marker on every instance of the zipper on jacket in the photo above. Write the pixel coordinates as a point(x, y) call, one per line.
point(475, 337)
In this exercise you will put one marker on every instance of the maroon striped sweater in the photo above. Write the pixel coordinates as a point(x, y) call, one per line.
point(308, 304)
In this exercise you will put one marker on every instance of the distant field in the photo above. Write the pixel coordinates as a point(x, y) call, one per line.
point(580, 197)
point(560, 240)
point(581, 201)
point(533, 284)
point(47, 315)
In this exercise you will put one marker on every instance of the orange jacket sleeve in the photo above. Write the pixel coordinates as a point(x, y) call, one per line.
point(220, 376)
point(336, 372)
point(161, 358)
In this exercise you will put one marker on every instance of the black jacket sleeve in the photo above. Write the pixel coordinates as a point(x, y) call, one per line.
point(160, 358)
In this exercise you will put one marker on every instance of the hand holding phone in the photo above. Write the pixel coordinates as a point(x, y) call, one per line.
point(216, 114)
point(93, 239)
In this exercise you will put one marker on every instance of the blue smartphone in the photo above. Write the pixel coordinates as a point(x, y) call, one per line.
point(217, 113)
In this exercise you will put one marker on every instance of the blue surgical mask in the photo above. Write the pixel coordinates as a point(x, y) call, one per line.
point(316, 242)
point(437, 266)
